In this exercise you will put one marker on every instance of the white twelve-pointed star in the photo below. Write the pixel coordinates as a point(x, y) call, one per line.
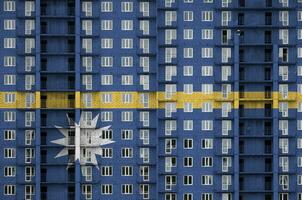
point(85, 138)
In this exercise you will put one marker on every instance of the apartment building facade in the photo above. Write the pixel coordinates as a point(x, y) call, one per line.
point(151, 99)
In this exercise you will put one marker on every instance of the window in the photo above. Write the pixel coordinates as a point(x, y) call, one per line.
point(29, 118)
point(106, 98)
point(144, 118)
point(126, 171)
point(207, 34)
point(87, 26)
point(87, 191)
point(207, 143)
point(226, 182)
point(207, 15)
point(144, 8)
point(9, 79)
point(170, 53)
point(87, 8)
point(188, 52)
point(127, 61)
point(29, 154)
point(126, 43)
point(299, 52)
point(29, 81)
point(299, 15)
point(126, 152)
point(225, 3)
point(207, 71)
point(226, 163)
point(188, 34)
point(29, 63)
point(188, 70)
point(87, 63)
point(188, 161)
point(9, 134)
point(9, 116)
point(188, 144)
point(206, 52)
point(226, 54)
point(9, 43)
point(299, 34)
point(170, 17)
point(29, 192)
point(9, 6)
point(87, 172)
point(9, 171)
point(207, 107)
point(9, 61)
point(9, 97)
point(106, 6)
point(127, 80)
point(226, 145)
point(284, 17)
point(106, 61)
point(126, 134)
point(170, 71)
point(127, 188)
point(188, 180)
point(29, 7)
point(226, 71)
point(170, 34)
point(106, 189)
point(225, 17)
point(106, 116)
point(29, 173)
point(87, 45)
point(107, 152)
point(9, 24)
point(284, 181)
point(87, 81)
point(106, 79)
point(9, 153)
point(127, 25)
point(144, 136)
point(170, 182)
point(144, 26)
point(188, 88)
point(188, 107)
point(169, 163)
point(208, 196)
point(9, 190)
point(299, 161)
point(127, 6)
point(206, 162)
point(188, 15)
point(206, 180)
point(106, 43)
point(299, 143)
point(144, 81)
point(283, 36)
point(207, 88)
point(29, 26)
point(127, 98)
point(144, 154)
point(188, 125)
point(106, 170)
point(106, 25)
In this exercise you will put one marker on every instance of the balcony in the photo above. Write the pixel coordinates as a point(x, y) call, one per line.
point(49, 104)
point(255, 96)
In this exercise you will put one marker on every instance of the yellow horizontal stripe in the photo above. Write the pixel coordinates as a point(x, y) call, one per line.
point(60, 100)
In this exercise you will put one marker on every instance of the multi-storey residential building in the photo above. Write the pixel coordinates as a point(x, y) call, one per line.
point(203, 99)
